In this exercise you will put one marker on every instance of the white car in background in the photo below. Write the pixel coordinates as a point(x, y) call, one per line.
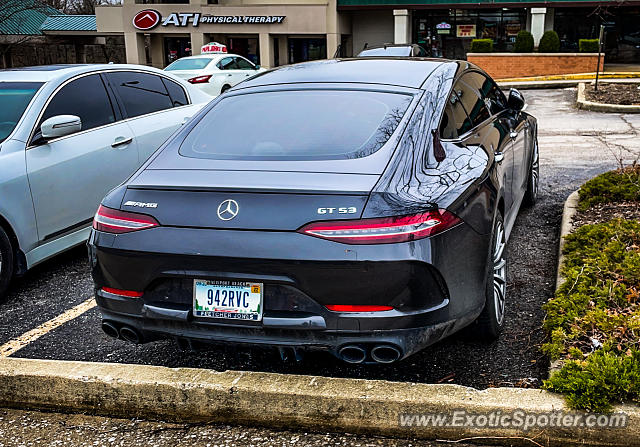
point(214, 73)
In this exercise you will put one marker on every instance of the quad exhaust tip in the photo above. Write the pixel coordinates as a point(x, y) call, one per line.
point(110, 329)
point(352, 354)
point(130, 335)
point(385, 354)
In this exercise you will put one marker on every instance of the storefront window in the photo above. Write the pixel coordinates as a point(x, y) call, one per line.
point(302, 50)
point(175, 48)
point(622, 30)
point(448, 33)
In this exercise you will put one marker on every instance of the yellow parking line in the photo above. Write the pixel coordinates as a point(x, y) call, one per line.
point(12, 346)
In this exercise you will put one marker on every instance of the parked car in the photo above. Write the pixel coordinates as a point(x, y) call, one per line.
point(394, 50)
point(365, 212)
point(214, 74)
point(69, 134)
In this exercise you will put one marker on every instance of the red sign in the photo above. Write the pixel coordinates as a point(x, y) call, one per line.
point(146, 19)
point(213, 47)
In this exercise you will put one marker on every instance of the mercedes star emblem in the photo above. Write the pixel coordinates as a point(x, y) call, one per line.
point(228, 209)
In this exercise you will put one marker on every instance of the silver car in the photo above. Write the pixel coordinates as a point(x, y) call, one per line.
point(68, 135)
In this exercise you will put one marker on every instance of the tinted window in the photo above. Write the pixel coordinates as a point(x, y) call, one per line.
point(297, 125)
point(228, 63)
point(388, 51)
point(14, 97)
point(140, 93)
point(244, 64)
point(471, 101)
point(490, 92)
point(449, 125)
point(190, 64)
point(461, 122)
point(176, 92)
point(86, 98)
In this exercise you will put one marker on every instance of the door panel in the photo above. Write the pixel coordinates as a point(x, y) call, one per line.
point(70, 176)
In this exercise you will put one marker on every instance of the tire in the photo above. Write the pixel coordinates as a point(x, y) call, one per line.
point(489, 324)
point(6, 262)
point(533, 180)
point(224, 88)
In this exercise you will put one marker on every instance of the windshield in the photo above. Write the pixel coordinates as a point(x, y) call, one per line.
point(190, 64)
point(297, 125)
point(389, 51)
point(14, 97)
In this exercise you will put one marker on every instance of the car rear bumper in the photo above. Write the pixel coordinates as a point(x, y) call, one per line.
point(433, 290)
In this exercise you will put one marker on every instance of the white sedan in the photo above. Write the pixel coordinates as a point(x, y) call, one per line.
point(214, 73)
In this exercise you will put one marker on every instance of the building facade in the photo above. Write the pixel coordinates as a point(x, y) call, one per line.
point(278, 32)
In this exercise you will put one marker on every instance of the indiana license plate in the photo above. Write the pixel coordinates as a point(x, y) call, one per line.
point(227, 299)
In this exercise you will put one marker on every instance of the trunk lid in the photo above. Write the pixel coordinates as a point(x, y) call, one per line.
point(247, 200)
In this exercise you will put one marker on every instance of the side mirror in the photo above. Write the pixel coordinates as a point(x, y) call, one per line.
point(60, 126)
point(257, 66)
point(515, 101)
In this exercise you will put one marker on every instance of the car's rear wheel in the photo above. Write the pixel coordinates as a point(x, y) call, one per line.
point(6, 262)
point(491, 321)
point(533, 181)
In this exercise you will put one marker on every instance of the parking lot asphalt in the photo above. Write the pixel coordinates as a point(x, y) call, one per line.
point(574, 146)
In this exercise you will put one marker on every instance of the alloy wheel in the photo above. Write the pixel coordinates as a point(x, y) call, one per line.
point(499, 272)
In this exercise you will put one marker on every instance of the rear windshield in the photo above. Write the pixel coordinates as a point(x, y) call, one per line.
point(297, 125)
point(14, 98)
point(190, 64)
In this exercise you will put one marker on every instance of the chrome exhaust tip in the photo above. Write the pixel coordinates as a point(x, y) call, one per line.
point(352, 354)
point(385, 354)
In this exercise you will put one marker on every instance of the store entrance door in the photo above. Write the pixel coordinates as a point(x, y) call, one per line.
point(245, 46)
point(303, 49)
point(175, 48)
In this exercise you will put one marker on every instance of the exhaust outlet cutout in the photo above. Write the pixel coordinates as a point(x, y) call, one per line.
point(130, 335)
point(352, 354)
point(110, 329)
point(385, 354)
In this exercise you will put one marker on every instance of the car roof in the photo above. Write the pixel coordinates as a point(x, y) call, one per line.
point(46, 73)
point(400, 71)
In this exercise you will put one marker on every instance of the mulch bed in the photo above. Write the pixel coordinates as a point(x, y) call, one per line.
point(604, 212)
point(620, 94)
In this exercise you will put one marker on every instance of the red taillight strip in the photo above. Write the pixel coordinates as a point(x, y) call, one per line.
point(357, 308)
point(116, 221)
point(127, 293)
point(199, 79)
point(383, 230)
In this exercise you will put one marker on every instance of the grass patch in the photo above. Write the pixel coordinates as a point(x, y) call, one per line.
point(614, 186)
point(594, 319)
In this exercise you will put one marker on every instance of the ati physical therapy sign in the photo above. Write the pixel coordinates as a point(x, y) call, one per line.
point(150, 18)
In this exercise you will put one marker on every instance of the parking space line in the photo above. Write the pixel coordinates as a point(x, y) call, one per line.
point(12, 346)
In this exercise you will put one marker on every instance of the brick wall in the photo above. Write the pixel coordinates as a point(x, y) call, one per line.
point(519, 65)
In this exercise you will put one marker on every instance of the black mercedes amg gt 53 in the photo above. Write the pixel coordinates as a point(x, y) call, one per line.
point(360, 206)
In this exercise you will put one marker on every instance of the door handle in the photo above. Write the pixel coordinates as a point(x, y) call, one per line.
point(119, 141)
point(513, 134)
point(185, 120)
point(229, 74)
point(498, 157)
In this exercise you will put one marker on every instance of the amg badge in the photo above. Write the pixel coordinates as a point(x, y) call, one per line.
point(141, 204)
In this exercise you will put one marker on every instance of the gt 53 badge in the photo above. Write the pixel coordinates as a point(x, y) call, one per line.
point(339, 210)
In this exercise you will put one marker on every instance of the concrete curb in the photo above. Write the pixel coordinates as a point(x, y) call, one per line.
point(290, 401)
point(582, 103)
point(576, 77)
point(566, 226)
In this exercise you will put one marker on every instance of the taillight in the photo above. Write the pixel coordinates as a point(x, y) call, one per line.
point(357, 308)
point(199, 79)
point(127, 293)
point(384, 230)
point(116, 221)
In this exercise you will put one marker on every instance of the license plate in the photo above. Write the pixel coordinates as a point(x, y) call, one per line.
point(227, 299)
